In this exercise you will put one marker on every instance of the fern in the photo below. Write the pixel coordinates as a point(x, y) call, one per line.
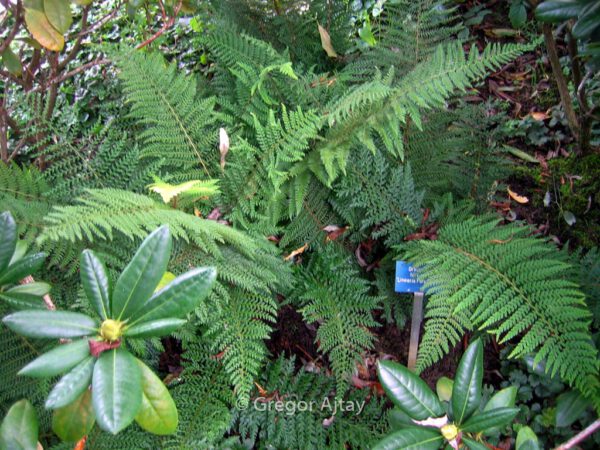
point(407, 32)
point(254, 176)
point(104, 214)
point(292, 25)
point(382, 195)
point(23, 192)
point(179, 127)
point(454, 152)
point(268, 427)
point(334, 295)
point(203, 399)
point(237, 333)
point(385, 106)
point(501, 280)
point(314, 213)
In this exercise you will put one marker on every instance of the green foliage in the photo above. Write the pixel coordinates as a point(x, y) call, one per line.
point(238, 333)
point(474, 266)
point(407, 33)
point(22, 192)
point(276, 418)
point(179, 128)
point(382, 197)
point(379, 108)
point(19, 429)
point(374, 143)
point(433, 423)
point(15, 265)
point(333, 294)
point(123, 388)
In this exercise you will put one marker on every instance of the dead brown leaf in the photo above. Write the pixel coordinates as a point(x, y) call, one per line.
point(296, 252)
point(516, 197)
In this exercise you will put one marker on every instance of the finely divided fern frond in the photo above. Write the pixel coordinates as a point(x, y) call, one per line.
point(383, 196)
point(238, 333)
point(334, 295)
point(501, 280)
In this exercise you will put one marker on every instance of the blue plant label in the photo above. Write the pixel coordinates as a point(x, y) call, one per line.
point(407, 278)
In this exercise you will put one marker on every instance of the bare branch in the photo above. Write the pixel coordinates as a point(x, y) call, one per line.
point(583, 435)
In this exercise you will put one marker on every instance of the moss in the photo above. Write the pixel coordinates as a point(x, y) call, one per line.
point(578, 181)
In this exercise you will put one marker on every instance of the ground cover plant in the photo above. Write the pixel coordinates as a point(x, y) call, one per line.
point(202, 203)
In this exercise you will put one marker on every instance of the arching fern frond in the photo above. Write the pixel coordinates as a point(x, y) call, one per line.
point(179, 126)
point(384, 110)
point(500, 280)
point(103, 212)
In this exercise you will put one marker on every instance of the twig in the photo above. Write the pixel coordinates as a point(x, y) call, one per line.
point(581, 436)
point(167, 23)
point(101, 22)
point(77, 46)
point(84, 67)
point(15, 28)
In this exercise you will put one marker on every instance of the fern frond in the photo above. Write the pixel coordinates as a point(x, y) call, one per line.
point(303, 428)
point(23, 192)
point(238, 333)
point(512, 286)
point(335, 296)
point(384, 111)
point(407, 32)
point(382, 196)
point(178, 126)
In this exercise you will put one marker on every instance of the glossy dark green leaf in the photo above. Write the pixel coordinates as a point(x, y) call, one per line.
point(504, 398)
point(22, 301)
point(155, 328)
point(23, 267)
point(57, 360)
point(19, 429)
point(179, 297)
point(51, 324)
point(74, 421)
point(408, 391)
point(558, 10)
point(570, 406)
point(527, 440)
point(474, 445)
point(117, 390)
point(588, 21)
point(496, 418)
point(96, 283)
point(466, 392)
point(157, 413)
point(37, 288)
point(399, 419)
point(141, 276)
point(71, 385)
point(20, 251)
point(415, 438)
point(8, 239)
